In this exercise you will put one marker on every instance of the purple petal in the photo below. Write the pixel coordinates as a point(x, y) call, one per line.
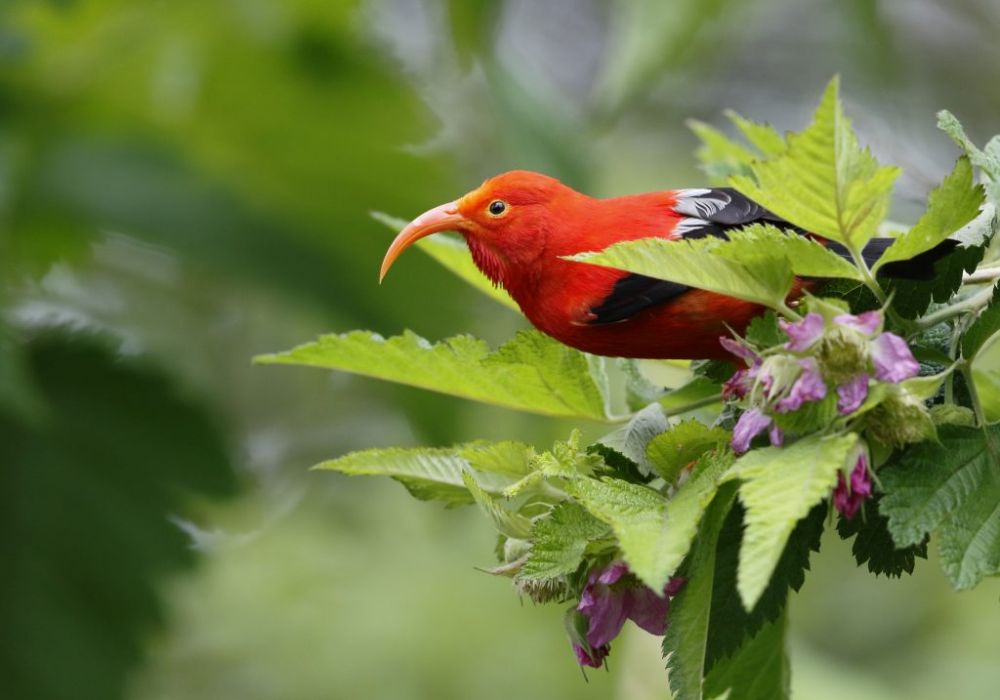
point(674, 586)
point(808, 387)
point(606, 618)
point(893, 360)
point(804, 333)
point(737, 385)
point(842, 500)
point(851, 394)
point(648, 610)
point(750, 424)
point(861, 478)
point(739, 349)
point(611, 574)
point(776, 436)
point(592, 657)
point(867, 323)
point(848, 502)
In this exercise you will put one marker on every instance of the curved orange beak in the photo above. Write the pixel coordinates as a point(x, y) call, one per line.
point(442, 218)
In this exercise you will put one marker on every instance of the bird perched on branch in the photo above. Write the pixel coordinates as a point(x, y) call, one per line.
point(520, 226)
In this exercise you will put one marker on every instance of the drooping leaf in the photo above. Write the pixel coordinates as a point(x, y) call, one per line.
point(559, 540)
point(780, 486)
point(632, 439)
point(507, 522)
point(951, 206)
point(686, 640)
point(950, 488)
point(635, 513)
point(824, 181)
point(731, 623)
point(436, 473)
point(531, 372)
point(758, 670)
point(873, 544)
point(740, 268)
point(453, 254)
point(672, 451)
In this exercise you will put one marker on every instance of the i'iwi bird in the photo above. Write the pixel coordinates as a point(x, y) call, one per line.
point(520, 226)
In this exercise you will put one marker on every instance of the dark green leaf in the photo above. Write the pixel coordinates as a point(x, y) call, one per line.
point(983, 328)
point(759, 670)
point(873, 544)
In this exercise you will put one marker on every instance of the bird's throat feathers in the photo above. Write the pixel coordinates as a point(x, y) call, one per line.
point(488, 261)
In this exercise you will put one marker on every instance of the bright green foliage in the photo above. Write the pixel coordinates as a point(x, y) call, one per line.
point(453, 254)
point(437, 473)
point(686, 641)
point(531, 373)
point(632, 439)
point(764, 137)
point(759, 274)
point(760, 671)
point(824, 182)
point(559, 541)
point(507, 523)
point(982, 329)
point(685, 442)
point(951, 206)
point(873, 544)
point(720, 157)
point(636, 514)
point(780, 486)
point(760, 242)
point(951, 488)
point(987, 159)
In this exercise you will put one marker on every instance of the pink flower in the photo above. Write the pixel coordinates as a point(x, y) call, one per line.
point(776, 436)
point(848, 501)
point(852, 393)
point(741, 351)
point(808, 387)
point(737, 385)
point(608, 599)
point(802, 334)
point(750, 424)
point(867, 323)
point(892, 358)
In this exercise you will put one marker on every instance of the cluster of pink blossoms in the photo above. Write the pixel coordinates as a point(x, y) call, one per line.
point(611, 596)
point(842, 353)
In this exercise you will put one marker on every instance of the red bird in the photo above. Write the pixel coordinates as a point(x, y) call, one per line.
point(520, 224)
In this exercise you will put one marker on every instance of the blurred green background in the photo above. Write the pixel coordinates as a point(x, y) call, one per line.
point(185, 184)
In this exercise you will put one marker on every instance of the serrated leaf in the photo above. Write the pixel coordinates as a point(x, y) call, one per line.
point(672, 451)
point(764, 331)
point(951, 206)
point(631, 439)
point(983, 328)
point(759, 670)
point(720, 156)
point(454, 255)
point(506, 522)
point(436, 473)
point(531, 372)
point(731, 623)
point(780, 486)
point(952, 488)
point(873, 544)
point(824, 182)
point(686, 638)
point(764, 137)
point(987, 160)
point(635, 513)
point(740, 267)
point(558, 542)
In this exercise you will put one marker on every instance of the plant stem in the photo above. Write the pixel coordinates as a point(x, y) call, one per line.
point(869, 278)
point(973, 303)
point(982, 275)
point(977, 407)
point(692, 405)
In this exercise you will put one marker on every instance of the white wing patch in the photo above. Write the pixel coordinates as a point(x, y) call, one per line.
point(694, 203)
point(689, 224)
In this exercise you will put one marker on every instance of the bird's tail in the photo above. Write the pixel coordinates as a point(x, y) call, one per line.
point(920, 267)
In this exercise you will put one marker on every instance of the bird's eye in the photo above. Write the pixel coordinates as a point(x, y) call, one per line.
point(497, 207)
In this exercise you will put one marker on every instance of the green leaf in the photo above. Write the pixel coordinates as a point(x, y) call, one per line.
point(694, 392)
point(453, 254)
point(873, 544)
point(740, 267)
point(720, 157)
point(812, 259)
point(780, 486)
point(951, 487)
point(686, 639)
point(437, 473)
point(731, 623)
point(759, 670)
point(506, 522)
point(558, 542)
point(670, 452)
point(987, 160)
point(631, 439)
point(951, 206)
point(824, 182)
point(764, 137)
point(764, 331)
point(983, 328)
point(636, 514)
point(531, 372)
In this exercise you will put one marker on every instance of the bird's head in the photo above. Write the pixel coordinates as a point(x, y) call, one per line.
point(505, 222)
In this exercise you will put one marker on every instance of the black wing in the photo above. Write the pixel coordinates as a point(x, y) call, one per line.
point(706, 212)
